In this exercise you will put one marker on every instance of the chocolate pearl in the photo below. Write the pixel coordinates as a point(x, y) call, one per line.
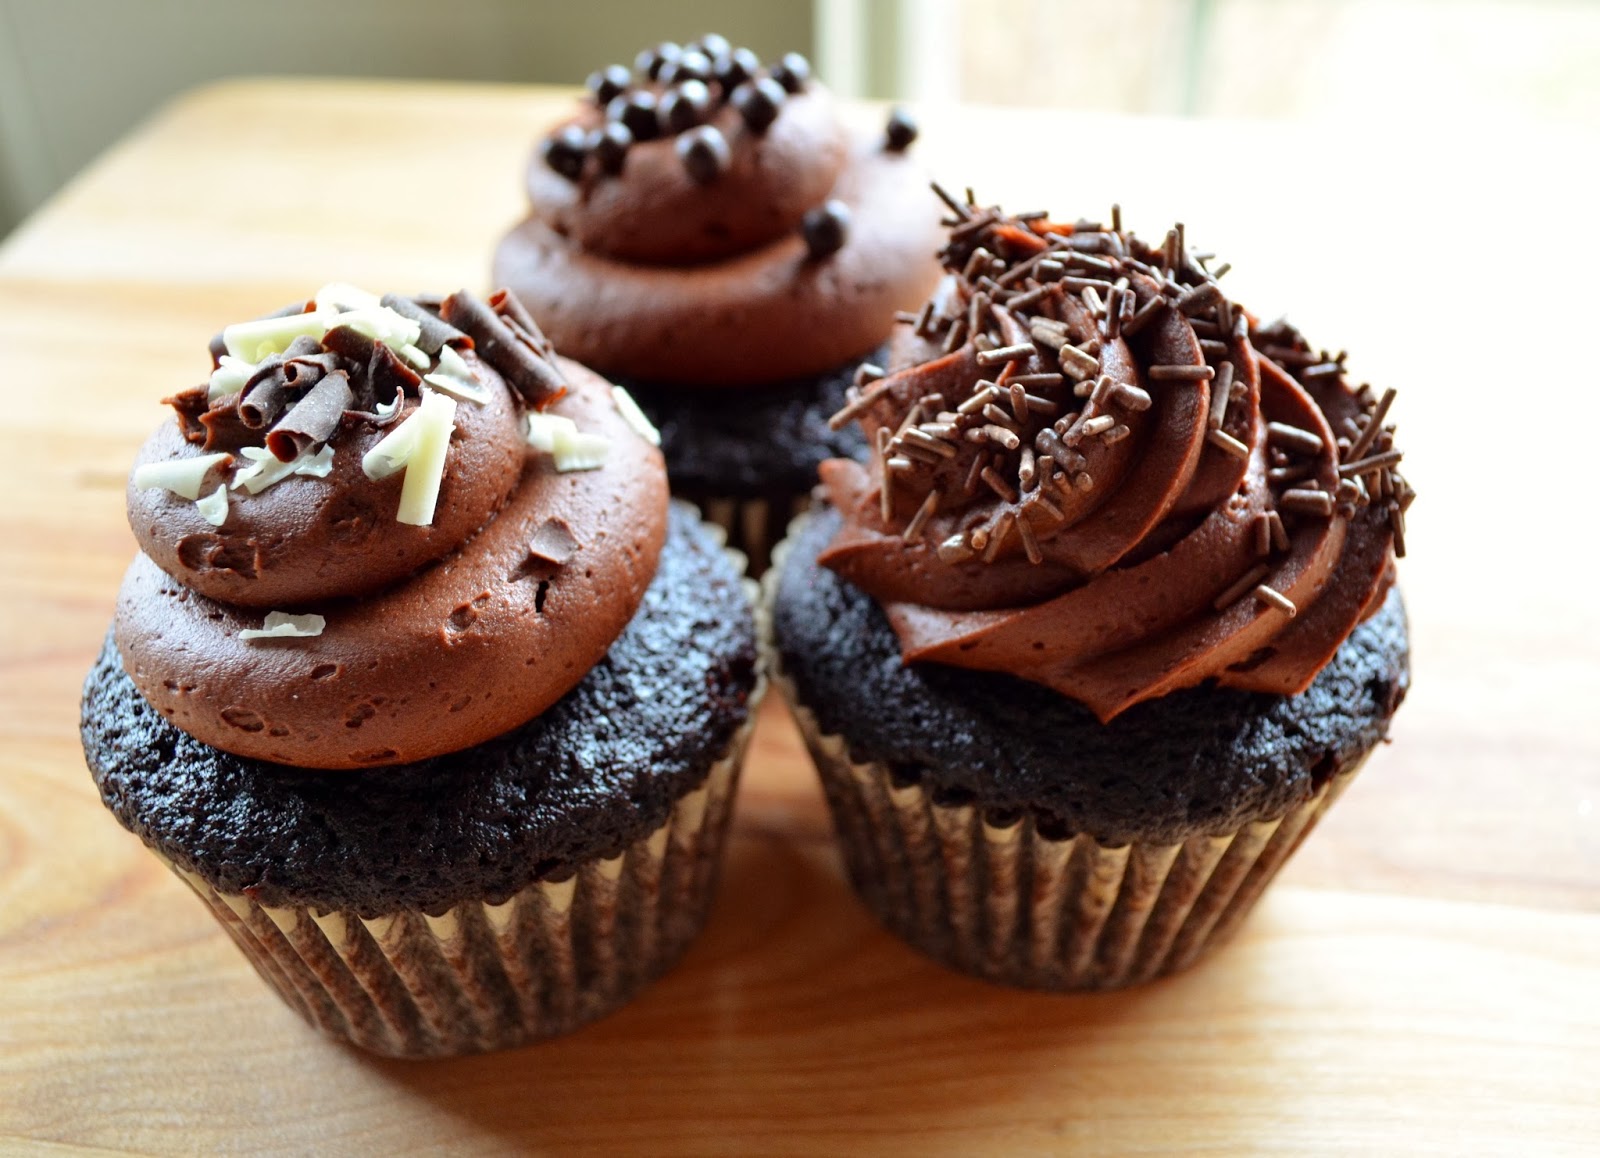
point(565, 152)
point(792, 71)
point(740, 65)
point(610, 145)
point(758, 102)
point(714, 45)
point(684, 107)
point(611, 81)
point(692, 65)
point(825, 228)
point(636, 110)
point(649, 63)
point(899, 132)
point(704, 154)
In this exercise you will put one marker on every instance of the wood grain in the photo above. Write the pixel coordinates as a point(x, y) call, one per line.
point(1423, 978)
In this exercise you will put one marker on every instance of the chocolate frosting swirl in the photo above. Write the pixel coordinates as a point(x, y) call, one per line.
point(434, 636)
point(780, 249)
point(1096, 472)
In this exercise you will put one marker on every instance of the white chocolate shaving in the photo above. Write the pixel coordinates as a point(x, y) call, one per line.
point(214, 507)
point(390, 408)
point(419, 494)
point(317, 464)
point(392, 451)
point(419, 359)
point(282, 625)
point(339, 295)
point(456, 378)
point(581, 451)
point(572, 449)
point(542, 429)
point(381, 324)
point(265, 468)
point(182, 476)
point(253, 341)
point(229, 377)
point(634, 417)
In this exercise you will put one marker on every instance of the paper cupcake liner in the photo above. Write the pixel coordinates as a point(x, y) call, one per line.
point(554, 956)
point(478, 977)
point(1011, 905)
point(753, 526)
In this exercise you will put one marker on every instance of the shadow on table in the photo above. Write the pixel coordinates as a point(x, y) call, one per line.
point(797, 1022)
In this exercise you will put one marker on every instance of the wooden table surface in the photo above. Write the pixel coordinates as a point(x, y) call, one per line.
point(1426, 976)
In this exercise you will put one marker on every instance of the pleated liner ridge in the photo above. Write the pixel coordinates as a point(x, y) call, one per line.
point(479, 977)
point(1013, 906)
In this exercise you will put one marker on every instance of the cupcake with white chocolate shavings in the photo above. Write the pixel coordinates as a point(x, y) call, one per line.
point(418, 680)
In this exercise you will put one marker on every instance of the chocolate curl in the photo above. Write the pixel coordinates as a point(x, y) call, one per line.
point(436, 332)
point(266, 392)
point(219, 347)
point(265, 395)
point(389, 376)
point(225, 430)
point(211, 425)
point(313, 419)
point(189, 406)
point(530, 375)
point(349, 342)
point(510, 307)
point(306, 371)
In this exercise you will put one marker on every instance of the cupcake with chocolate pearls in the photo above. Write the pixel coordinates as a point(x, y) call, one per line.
point(706, 230)
point(1109, 619)
point(419, 680)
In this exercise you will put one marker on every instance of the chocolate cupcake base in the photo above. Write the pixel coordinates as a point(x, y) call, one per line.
point(477, 977)
point(1005, 832)
point(485, 898)
point(748, 456)
point(1012, 905)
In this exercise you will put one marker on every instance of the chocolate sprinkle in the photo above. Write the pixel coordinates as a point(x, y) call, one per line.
point(1274, 598)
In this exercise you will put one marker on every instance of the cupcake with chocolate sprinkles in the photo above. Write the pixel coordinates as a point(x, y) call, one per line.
point(1108, 620)
point(707, 230)
point(419, 680)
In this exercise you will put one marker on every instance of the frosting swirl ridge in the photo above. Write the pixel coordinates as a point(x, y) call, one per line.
point(1097, 472)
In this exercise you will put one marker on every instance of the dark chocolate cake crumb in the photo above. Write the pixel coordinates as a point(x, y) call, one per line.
point(1204, 760)
point(763, 441)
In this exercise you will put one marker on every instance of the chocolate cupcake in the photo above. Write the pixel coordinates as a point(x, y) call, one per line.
point(418, 680)
point(1107, 622)
point(708, 232)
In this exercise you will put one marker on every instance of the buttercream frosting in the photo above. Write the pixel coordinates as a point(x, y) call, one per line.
point(431, 635)
point(782, 248)
point(1096, 472)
